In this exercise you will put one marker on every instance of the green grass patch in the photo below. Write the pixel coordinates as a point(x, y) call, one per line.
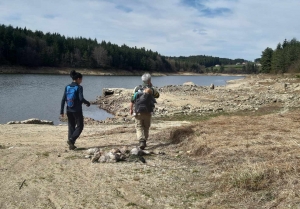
point(270, 109)
point(131, 204)
point(73, 157)
point(250, 180)
point(49, 178)
point(43, 154)
point(192, 117)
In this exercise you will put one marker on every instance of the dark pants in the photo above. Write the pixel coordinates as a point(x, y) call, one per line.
point(75, 123)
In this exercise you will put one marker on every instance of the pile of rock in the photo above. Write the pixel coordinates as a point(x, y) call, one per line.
point(116, 155)
point(205, 100)
point(32, 121)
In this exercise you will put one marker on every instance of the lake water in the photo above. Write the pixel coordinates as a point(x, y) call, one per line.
point(39, 96)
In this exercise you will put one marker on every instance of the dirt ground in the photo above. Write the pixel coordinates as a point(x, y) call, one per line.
point(58, 178)
point(237, 160)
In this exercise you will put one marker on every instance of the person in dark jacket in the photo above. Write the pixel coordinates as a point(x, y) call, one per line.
point(74, 108)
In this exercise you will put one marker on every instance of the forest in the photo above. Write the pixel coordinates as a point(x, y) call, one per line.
point(33, 49)
point(284, 59)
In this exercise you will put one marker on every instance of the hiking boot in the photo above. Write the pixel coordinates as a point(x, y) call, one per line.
point(71, 145)
point(142, 145)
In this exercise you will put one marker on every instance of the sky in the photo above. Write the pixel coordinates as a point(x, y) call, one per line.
point(222, 28)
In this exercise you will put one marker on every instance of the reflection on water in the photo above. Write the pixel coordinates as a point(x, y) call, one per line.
point(39, 96)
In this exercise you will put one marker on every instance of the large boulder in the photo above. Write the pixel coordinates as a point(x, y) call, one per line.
point(106, 92)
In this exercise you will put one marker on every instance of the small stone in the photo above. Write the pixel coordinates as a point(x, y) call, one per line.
point(102, 159)
point(146, 152)
point(58, 155)
point(92, 151)
point(112, 157)
point(114, 151)
point(136, 178)
point(125, 150)
point(135, 151)
point(96, 157)
point(122, 156)
point(189, 84)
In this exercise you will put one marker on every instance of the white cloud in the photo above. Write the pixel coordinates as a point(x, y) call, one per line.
point(224, 28)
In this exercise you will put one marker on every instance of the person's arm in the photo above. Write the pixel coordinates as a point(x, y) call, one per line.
point(131, 108)
point(62, 106)
point(81, 98)
point(133, 98)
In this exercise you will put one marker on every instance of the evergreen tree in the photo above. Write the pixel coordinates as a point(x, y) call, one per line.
point(266, 60)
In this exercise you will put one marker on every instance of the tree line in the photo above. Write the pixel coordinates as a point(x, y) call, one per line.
point(285, 58)
point(23, 47)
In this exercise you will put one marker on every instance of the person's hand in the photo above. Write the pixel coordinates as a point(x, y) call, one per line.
point(131, 111)
point(62, 115)
point(88, 105)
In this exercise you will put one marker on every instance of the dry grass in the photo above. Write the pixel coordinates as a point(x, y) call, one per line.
point(178, 135)
point(228, 161)
point(253, 160)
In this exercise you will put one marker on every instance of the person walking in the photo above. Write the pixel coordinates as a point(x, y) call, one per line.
point(73, 97)
point(143, 99)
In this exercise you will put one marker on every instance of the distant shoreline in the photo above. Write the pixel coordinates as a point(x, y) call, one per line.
point(96, 72)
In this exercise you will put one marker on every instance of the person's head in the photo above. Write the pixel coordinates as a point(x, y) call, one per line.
point(148, 91)
point(146, 78)
point(76, 77)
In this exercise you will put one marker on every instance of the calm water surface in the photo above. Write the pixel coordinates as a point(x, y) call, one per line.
point(39, 96)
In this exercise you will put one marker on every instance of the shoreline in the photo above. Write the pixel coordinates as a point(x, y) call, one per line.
point(91, 120)
point(98, 72)
point(237, 96)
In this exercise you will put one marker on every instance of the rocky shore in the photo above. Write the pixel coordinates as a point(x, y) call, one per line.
point(250, 94)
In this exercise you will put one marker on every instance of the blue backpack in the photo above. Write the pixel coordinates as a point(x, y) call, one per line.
point(71, 95)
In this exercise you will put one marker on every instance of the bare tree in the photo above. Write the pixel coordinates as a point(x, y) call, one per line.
point(100, 55)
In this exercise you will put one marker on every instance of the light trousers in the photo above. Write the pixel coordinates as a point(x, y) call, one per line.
point(142, 126)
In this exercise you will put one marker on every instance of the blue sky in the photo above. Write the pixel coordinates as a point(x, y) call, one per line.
point(223, 28)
